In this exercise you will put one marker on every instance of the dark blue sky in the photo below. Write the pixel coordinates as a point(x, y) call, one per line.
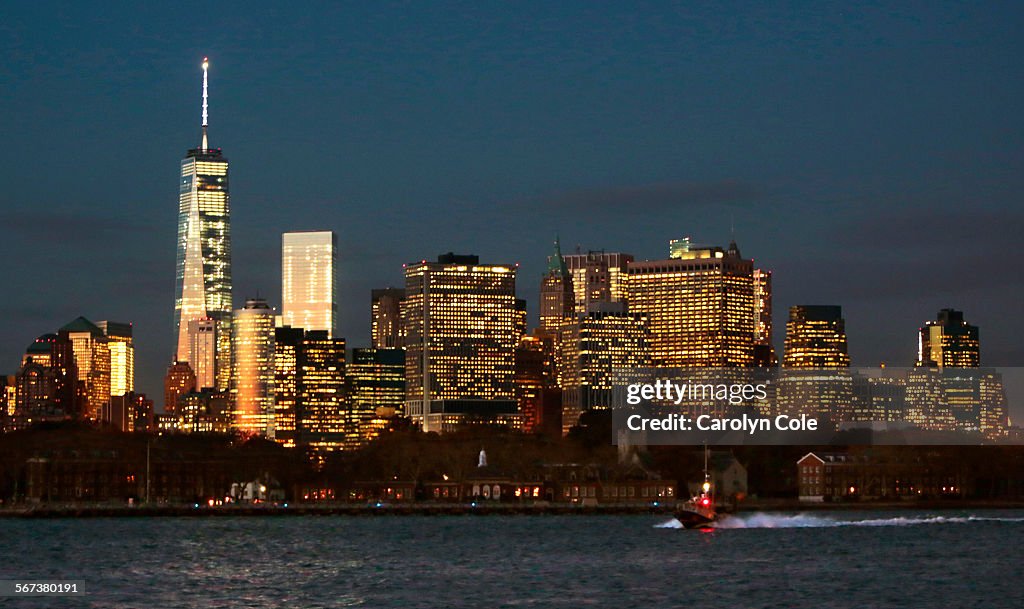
point(872, 157)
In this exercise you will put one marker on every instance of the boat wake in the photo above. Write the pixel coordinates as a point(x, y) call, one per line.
point(805, 521)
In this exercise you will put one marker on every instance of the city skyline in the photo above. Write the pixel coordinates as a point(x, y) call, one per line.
point(807, 225)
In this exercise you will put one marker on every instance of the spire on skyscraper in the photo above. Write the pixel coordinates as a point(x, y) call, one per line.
point(556, 262)
point(206, 116)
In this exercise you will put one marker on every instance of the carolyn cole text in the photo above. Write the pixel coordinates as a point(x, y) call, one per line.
point(704, 422)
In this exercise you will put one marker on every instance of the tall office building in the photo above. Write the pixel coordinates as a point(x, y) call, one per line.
point(993, 417)
point(92, 358)
point(462, 326)
point(122, 356)
point(287, 346)
point(179, 381)
point(764, 348)
point(321, 392)
point(376, 390)
point(309, 283)
point(386, 327)
point(927, 404)
point(817, 380)
point(597, 276)
point(699, 305)
point(203, 273)
point(949, 342)
point(816, 337)
point(46, 387)
point(309, 389)
point(590, 349)
point(202, 351)
point(252, 375)
point(557, 302)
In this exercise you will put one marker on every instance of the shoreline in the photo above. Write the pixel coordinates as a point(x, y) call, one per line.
point(426, 509)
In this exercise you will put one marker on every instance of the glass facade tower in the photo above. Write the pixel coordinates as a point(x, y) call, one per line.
point(203, 277)
point(309, 284)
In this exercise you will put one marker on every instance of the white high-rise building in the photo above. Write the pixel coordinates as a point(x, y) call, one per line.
point(309, 285)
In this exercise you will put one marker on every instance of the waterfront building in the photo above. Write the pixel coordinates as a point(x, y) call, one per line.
point(850, 477)
point(252, 377)
point(386, 328)
point(203, 264)
point(462, 326)
point(309, 283)
point(699, 305)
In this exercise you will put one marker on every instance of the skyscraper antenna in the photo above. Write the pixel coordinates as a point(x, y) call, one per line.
point(206, 115)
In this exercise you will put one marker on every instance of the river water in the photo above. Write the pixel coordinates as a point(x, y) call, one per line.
point(837, 559)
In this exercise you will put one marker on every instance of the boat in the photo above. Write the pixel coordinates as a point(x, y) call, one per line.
point(699, 512)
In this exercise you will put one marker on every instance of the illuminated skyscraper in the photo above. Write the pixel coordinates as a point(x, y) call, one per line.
point(309, 389)
point(597, 276)
point(321, 392)
point(817, 380)
point(122, 356)
point(557, 303)
point(203, 280)
point(309, 284)
point(699, 304)
point(386, 318)
point(376, 382)
point(287, 345)
point(764, 348)
point(252, 377)
point(92, 358)
point(46, 387)
point(202, 351)
point(590, 349)
point(462, 327)
point(816, 338)
point(949, 341)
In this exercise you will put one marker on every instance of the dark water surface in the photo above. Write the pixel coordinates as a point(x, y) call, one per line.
point(843, 559)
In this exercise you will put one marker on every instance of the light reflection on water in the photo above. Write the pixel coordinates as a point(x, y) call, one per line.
point(751, 560)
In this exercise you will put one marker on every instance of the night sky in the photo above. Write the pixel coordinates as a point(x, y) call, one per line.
point(871, 157)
